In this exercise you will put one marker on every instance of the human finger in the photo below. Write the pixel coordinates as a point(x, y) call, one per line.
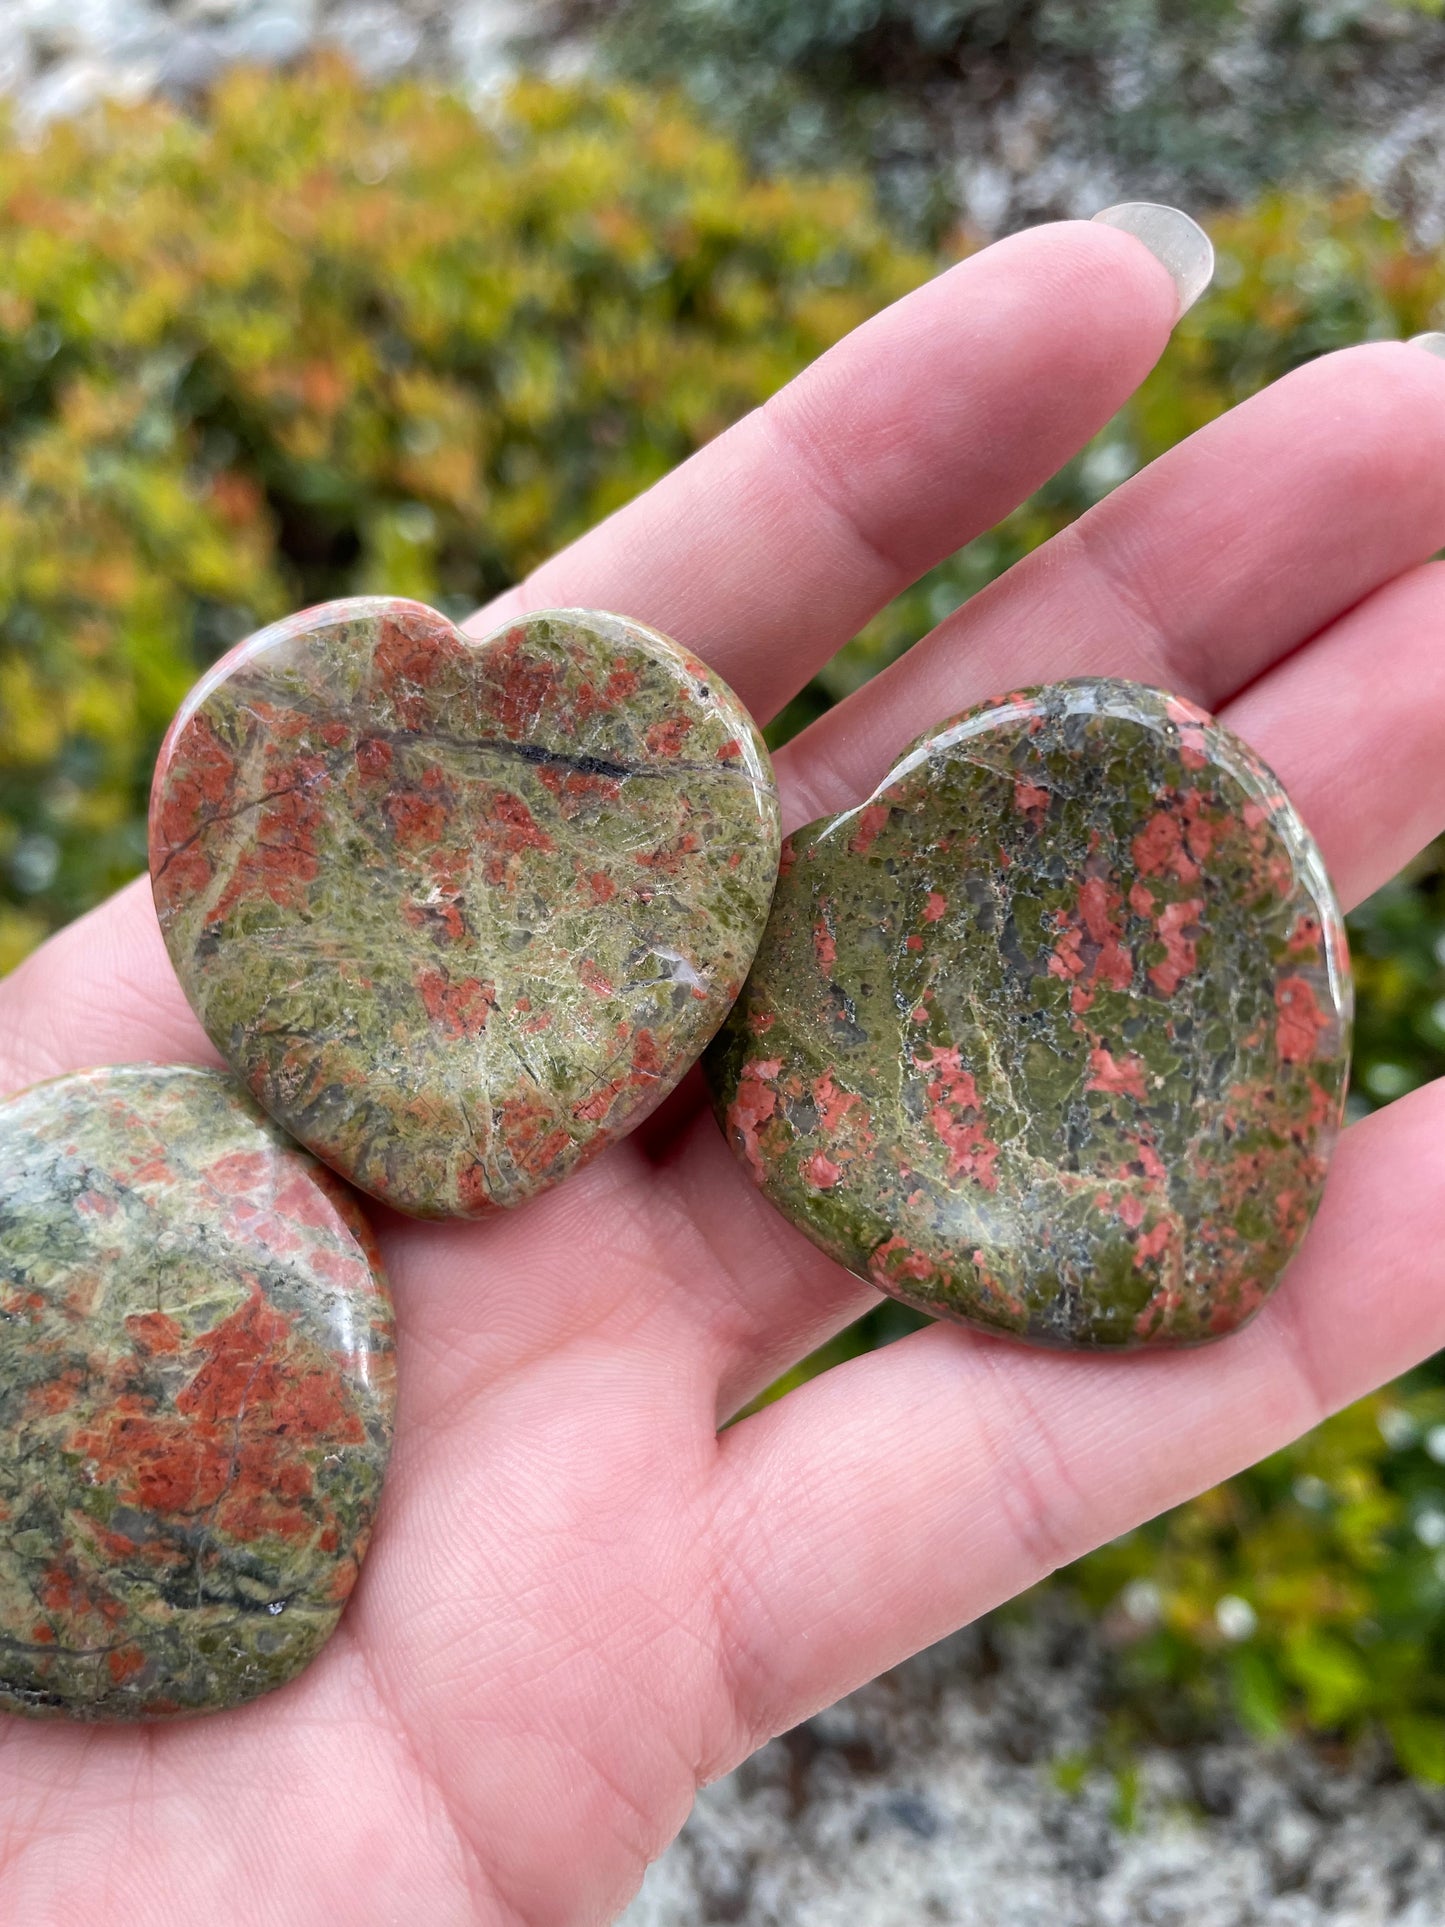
point(1350, 725)
point(775, 543)
point(1215, 562)
point(898, 1496)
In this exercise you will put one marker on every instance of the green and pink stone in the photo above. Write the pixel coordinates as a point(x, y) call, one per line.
point(196, 1397)
point(461, 912)
point(1050, 1036)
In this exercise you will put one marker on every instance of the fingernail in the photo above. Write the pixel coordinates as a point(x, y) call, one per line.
point(1433, 344)
point(1169, 234)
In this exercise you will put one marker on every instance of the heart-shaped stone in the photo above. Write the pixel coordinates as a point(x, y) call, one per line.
point(461, 912)
point(1050, 1035)
point(197, 1380)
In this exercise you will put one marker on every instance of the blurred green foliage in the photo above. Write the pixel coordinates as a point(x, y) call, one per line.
point(1308, 1593)
point(324, 339)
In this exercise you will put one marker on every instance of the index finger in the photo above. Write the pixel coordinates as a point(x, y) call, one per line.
point(763, 554)
point(773, 545)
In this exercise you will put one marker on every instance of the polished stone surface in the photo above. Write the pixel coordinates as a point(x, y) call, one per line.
point(196, 1392)
point(1050, 1035)
point(461, 912)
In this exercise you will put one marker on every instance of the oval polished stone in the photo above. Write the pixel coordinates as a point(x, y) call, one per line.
point(461, 912)
point(1050, 1035)
point(196, 1393)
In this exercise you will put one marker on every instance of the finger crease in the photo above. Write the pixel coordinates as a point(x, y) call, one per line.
point(808, 467)
point(1157, 651)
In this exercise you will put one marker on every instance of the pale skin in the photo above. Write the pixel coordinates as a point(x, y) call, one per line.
point(584, 1600)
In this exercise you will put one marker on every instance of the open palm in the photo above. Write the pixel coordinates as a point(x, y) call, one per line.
point(583, 1601)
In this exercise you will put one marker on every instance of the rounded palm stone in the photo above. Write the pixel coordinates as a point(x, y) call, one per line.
point(1050, 1035)
point(196, 1393)
point(461, 912)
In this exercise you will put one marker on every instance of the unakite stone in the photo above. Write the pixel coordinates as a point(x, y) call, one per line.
point(1050, 1035)
point(461, 912)
point(196, 1393)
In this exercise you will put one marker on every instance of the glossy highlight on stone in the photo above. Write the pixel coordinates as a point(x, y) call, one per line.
point(1050, 1036)
point(197, 1381)
point(461, 912)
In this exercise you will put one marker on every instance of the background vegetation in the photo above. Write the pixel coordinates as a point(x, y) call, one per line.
point(323, 341)
point(1006, 111)
point(316, 339)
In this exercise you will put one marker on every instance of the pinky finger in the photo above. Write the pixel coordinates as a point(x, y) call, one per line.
point(902, 1494)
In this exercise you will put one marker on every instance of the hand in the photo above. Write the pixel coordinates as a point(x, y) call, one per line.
point(582, 1601)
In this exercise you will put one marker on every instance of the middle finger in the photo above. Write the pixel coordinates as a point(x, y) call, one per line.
point(1218, 559)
